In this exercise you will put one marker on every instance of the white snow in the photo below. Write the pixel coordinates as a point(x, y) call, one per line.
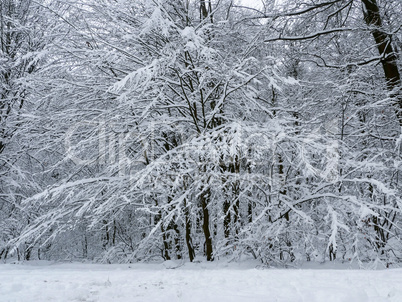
point(173, 281)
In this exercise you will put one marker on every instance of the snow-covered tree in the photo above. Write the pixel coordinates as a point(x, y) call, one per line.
point(177, 129)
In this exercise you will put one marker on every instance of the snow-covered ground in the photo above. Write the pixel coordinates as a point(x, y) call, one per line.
point(44, 281)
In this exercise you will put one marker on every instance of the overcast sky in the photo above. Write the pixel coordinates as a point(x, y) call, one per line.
point(251, 3)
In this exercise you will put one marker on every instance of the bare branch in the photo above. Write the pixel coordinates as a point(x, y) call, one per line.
point(311, 36)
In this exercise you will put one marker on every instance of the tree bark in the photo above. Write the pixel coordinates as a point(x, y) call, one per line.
point(205, 225)
point(189, 242)
point(383, 40)
point(205, 11)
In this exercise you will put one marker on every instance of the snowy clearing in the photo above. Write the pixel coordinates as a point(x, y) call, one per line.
point(44, 281)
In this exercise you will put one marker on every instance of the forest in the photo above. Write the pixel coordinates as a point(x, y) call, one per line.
point(142, 130)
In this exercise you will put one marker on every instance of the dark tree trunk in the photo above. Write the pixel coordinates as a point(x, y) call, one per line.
point(250, 204)
point(383, 40)
point(165, 251)
point(250, 212)
point(177, 241)
point(189, 242)
point(114, 232)
point(205, 225)
point(226, 220)
point(332, 253)
point(235, 169)
point(226, 202)
point(203, 10)
point(85, 247)
point(5, 252)
point(106, 236)
point(206, 11)
point(281, 172)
